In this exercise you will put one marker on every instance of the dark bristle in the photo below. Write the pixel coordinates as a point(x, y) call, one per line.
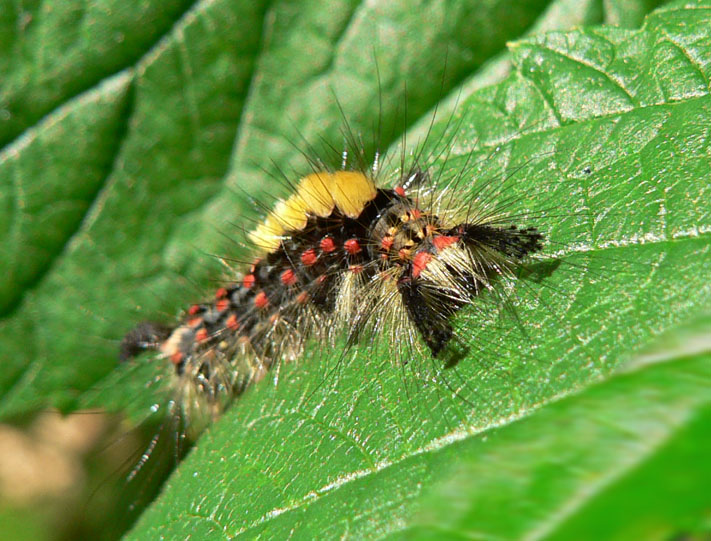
point(511, 241)
point(144, 336)
point(428, 315)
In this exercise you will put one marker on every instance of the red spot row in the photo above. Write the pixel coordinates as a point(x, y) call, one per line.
point(261, 300)
point(221, 293)
point(288, 278)
point(352, 246)
point(202, 335)
point(249, 281)
point(443, 241)
point(327, 245)
point(420, 262)
point(309, 257)
point(232, 323)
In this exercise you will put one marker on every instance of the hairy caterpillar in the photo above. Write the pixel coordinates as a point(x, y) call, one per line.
point(343, 255)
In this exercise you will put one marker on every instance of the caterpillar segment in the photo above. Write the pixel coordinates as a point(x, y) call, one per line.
point(340, 254)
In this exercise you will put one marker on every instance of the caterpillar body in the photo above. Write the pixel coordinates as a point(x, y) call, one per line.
point(340, 256)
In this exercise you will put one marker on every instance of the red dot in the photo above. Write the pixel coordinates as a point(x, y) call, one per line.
point(222, 305)
point(194, 309)
point(327, 245)
point(195, 322)
point(202, 335)
point(177, 357)
point(308, 258)
point(288, 278)
point(387, 243)
point(400, 191)
point(443, 241)
point(232, 322)
point(415, 214)
point(248, 281)
point(302, 298)
point(261, 300)
point(420, 262)
point(321, 279)
point(356, 269)
point(352, 246)
point(220, 293)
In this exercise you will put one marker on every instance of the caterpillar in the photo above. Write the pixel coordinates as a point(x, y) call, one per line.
point(344, 255)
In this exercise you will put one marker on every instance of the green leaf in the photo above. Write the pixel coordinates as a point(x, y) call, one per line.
point(73, 296)
point(51, 52)
point(611, 127)
point(150, 126)
point(625, 459)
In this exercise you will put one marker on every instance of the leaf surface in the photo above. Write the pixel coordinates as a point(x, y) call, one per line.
point(135, 135)
point(619, 147)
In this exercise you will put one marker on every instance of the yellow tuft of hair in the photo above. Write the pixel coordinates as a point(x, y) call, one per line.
point(291, 214)
point(267, 236)
point(315, 190)
point(316, 195)
point(350, 191)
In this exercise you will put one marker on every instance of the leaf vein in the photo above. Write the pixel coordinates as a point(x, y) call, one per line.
point(155, 45)
point(692, 61)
